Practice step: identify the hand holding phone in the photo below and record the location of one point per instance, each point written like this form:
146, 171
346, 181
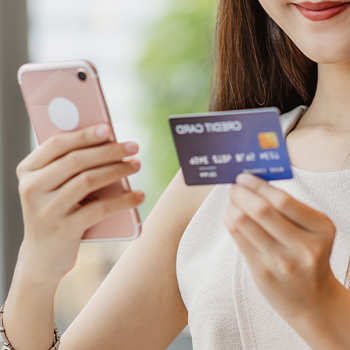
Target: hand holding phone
62, 98
53, 180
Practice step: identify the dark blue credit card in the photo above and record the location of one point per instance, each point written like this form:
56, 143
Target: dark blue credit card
213, 148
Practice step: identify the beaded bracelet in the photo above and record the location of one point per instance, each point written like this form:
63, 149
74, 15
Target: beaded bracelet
5, 343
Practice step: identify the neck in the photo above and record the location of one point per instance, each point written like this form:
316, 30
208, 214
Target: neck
331, 105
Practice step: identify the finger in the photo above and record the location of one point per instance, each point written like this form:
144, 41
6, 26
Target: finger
94, 212
266, 216
75, 190
259, 238
61, 144
247, 248
300, 213
261, 263
60, 171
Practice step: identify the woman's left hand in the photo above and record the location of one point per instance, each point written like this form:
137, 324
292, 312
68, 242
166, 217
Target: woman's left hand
287, 245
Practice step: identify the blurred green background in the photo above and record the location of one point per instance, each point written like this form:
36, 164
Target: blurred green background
176, 74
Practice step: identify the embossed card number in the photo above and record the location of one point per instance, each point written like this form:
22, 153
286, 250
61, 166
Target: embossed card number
213, 148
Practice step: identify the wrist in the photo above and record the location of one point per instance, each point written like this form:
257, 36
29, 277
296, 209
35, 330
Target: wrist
33, 267
324, 324
29, 311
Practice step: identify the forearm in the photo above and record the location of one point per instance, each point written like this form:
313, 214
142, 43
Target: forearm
327, 325
29, 310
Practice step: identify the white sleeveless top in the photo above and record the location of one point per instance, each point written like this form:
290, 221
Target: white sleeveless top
225, 308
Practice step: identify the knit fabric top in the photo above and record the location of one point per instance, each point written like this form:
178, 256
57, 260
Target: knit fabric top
225, 308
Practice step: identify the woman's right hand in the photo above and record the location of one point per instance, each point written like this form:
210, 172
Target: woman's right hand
53, 180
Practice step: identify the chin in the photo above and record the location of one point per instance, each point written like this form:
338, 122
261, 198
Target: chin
322, 44
321, 52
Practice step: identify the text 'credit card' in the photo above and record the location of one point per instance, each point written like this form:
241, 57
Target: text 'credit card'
213, 148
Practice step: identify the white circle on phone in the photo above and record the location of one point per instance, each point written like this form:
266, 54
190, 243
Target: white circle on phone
64, 114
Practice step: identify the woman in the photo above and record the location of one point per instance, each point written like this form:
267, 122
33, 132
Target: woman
265, 270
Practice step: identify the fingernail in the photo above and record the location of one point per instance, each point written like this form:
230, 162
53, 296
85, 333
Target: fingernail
135, 164
131, 147
102, 131
243, 179
141, 196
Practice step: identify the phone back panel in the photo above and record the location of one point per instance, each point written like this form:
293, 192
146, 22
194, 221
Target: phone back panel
58, 101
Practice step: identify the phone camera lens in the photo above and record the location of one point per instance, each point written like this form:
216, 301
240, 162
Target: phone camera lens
82, 76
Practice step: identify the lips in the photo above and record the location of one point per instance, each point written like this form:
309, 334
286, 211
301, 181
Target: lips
322, 11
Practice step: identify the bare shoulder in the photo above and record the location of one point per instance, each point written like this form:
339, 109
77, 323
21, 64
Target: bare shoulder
139, 305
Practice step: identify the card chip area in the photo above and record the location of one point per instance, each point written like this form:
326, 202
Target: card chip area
268, 140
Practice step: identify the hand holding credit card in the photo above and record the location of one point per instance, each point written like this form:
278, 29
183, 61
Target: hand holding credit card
213, 148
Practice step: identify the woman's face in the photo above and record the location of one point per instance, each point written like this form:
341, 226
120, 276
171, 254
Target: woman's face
320, 29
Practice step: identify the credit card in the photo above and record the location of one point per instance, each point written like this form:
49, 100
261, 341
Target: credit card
213, 148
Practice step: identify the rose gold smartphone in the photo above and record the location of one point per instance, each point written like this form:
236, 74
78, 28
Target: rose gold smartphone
66, 96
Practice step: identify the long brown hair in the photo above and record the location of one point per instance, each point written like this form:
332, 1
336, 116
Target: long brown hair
257, 64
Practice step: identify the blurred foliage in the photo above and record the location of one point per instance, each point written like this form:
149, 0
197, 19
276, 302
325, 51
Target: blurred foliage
176, 72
